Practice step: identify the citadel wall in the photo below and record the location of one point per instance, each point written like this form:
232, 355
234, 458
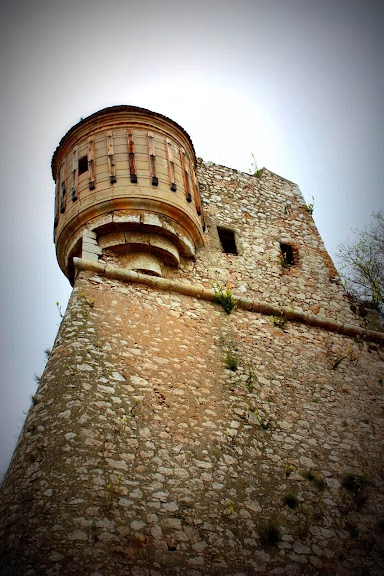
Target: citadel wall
167, 437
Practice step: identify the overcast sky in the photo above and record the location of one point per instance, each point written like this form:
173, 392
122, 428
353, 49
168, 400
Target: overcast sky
298, 83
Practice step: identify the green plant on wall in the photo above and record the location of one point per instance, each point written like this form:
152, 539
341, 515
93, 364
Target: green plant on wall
336, 359
317, 481
310, 206
224, 297
284, 260
231, 361
34, 399
279, 321
291, 500
355, 483
269, 533
250, 381
90, 303
304, 519
354, 493
253, 168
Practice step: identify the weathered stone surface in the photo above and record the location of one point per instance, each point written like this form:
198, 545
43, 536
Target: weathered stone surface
168, 437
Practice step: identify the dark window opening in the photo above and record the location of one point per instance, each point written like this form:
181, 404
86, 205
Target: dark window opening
227, 239
287, 255
83, 165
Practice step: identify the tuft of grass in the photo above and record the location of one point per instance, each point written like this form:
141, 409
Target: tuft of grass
355, 483
284, 261
250, 379
288, 470
317, 481
231, 361
253, 170
224, 297
291, 500
269, 533
91, 302
308, 475
310, 206
279, 321
59, 309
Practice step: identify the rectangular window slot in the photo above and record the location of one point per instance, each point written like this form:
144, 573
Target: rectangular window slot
91, 164
171, 165
131, 157
227, 239
185, 175
57, 200
111, 158
62, 188
152, 160
83, 165
75, 171
287, 254
62, 200
196, 191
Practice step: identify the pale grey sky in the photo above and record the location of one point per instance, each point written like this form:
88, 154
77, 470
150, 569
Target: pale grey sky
298, 83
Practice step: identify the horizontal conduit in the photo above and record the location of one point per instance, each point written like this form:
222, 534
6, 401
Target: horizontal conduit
196, 291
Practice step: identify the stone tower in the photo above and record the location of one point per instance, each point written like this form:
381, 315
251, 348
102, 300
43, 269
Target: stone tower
126, 177
212, 405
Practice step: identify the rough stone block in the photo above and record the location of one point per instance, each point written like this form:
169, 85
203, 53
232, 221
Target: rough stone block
93, 248
89, 234
90, 256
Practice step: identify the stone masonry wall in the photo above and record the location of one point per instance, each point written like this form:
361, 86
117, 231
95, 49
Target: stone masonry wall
147, 453
264, 212
167, 437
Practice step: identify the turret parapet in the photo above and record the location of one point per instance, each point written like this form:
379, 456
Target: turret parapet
126, 178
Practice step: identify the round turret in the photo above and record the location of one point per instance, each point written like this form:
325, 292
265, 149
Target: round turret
125, 181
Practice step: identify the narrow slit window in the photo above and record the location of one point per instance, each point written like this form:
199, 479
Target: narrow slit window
287, 255
83, 165
62, 198
111, 158
131, 157
152, 159
227, 239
